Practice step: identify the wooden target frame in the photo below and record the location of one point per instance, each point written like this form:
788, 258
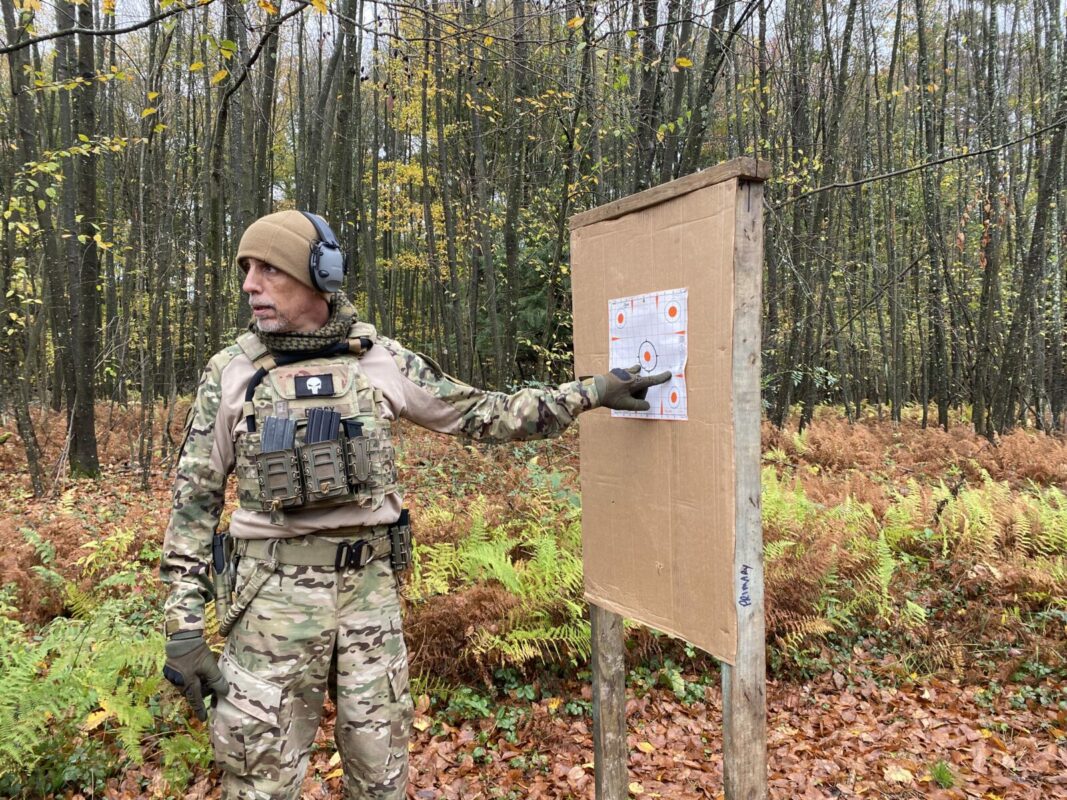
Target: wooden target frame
695, 567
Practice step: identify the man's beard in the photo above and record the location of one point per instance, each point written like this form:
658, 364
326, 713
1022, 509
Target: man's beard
277, 324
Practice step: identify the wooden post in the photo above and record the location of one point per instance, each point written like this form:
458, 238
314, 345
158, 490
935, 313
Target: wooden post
744, 702
610, 754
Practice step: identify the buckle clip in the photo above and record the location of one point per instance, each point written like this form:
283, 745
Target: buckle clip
352, 554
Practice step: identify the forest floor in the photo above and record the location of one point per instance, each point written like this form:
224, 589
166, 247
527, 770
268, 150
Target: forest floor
964, 698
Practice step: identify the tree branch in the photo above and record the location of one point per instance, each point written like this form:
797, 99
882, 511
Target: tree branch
935, 162
135, 26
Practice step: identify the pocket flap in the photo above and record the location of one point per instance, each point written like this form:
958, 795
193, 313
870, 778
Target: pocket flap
398, 677
254, 696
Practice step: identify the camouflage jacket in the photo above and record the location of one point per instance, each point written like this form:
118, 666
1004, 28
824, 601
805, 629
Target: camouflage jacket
411, 387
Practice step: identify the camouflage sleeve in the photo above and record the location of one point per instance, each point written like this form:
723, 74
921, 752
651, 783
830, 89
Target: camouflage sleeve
440, 402
199, 493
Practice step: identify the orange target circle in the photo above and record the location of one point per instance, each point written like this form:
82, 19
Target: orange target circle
647, 356
672, 313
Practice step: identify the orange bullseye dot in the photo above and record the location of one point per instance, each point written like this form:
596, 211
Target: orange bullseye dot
674, 397
619, 319
672, 312
648, 356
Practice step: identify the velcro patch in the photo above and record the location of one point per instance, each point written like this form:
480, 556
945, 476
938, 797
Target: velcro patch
314, 385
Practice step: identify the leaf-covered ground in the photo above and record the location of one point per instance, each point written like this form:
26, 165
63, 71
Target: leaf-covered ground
853, 711
828, 737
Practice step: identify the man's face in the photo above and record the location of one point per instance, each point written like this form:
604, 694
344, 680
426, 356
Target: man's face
281, 303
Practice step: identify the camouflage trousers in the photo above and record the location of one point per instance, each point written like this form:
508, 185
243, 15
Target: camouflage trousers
311, 630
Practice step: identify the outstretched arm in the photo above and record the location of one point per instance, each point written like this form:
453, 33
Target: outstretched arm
440, 402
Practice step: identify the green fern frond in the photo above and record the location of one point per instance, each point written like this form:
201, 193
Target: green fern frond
772, 551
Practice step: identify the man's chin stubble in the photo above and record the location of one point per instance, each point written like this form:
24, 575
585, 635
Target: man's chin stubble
272, 325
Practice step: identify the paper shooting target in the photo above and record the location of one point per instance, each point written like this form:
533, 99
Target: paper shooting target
650, 329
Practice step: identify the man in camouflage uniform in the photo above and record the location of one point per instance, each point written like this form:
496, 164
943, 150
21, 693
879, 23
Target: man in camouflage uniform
317, 617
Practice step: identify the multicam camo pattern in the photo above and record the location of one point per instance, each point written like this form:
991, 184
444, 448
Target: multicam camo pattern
494, 416
307, 629
199, 492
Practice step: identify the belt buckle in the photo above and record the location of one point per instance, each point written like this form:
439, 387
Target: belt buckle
352, 554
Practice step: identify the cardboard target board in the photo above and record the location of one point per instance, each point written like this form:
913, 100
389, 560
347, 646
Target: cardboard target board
670, 498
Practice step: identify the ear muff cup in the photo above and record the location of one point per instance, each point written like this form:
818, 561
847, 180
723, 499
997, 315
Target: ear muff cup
327, 263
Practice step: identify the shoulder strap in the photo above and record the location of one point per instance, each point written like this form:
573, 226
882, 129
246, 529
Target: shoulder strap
361, 338
256, 351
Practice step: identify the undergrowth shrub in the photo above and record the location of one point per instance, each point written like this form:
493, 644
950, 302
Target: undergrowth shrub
529, 570
80, 697
841, 570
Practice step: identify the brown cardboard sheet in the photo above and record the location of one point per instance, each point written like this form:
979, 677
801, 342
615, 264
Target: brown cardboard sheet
658, 497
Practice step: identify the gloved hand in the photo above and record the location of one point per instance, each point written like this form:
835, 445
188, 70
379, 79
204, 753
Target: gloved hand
191, 667
625, 389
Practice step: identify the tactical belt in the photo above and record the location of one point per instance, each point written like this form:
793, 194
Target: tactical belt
321, 551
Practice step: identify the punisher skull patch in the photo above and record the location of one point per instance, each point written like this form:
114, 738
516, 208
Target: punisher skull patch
314, 385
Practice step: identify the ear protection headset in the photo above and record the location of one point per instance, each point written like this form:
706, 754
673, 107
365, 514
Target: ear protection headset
327, 263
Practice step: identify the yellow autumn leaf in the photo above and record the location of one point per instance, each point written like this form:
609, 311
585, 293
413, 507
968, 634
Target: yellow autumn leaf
148, 112
22, 226
319, 5
683, 62
196, 66
218, 76
335, 759
575, 22
153, 95
92, 722
645, 747
337, 773
553, 704
421, 723
268, 6
897, 774
488, 41
636, 788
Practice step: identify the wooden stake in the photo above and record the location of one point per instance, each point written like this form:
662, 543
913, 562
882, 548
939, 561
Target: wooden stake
744, 702
610, 754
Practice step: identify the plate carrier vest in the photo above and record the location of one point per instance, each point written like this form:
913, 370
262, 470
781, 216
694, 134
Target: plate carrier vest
358, 469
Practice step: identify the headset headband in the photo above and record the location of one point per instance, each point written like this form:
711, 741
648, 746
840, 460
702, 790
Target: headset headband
327, 264
322, 230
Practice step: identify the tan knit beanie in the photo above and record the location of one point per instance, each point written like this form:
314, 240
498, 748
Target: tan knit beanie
282, 239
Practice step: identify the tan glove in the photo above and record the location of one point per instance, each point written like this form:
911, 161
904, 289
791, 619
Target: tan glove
625, 389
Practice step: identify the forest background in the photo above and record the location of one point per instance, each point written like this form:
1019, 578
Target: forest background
914, 277
449, 144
